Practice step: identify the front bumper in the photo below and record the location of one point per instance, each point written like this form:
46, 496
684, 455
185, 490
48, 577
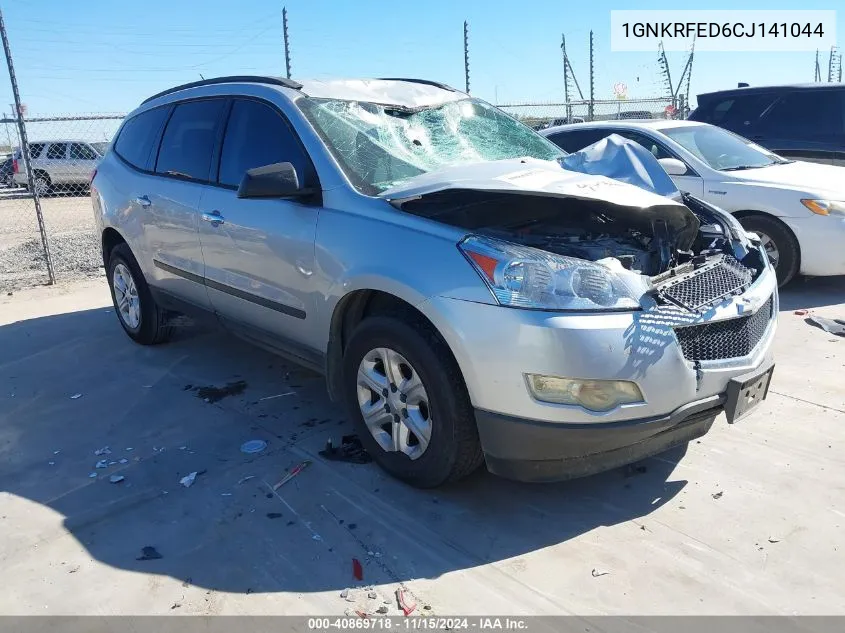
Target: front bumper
821, 240
495, 347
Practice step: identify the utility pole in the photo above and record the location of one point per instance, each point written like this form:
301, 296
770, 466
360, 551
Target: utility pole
25, 151
466, 57
592, 79
287, 40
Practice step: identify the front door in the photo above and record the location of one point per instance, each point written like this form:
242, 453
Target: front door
259, 254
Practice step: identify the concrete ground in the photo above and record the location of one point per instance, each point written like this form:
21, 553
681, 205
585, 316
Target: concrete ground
748, 520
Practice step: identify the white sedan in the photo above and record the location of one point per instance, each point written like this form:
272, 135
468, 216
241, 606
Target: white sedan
797, 208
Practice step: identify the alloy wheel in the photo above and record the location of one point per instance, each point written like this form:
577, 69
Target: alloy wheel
126, 296
771, 248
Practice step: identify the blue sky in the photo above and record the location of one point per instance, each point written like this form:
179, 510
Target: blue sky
106, 56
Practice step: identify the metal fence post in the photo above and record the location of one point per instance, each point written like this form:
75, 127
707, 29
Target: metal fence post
25, 152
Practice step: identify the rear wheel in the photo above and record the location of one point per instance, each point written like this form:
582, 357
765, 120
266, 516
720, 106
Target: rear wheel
136, 309
409, 403
779, 242
42, 184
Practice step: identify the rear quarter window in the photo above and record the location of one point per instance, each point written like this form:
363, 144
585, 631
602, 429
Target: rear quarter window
138, 136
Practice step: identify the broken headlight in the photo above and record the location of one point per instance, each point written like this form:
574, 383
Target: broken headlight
525, 277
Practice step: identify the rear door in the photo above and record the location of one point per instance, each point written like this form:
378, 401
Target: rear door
170, 198
805, 125
259, 253
82, 160
54, 162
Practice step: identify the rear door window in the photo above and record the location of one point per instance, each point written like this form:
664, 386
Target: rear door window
806, 115
189, 139
736, 112
35, 149
80, 151
257, 135
139, 135
57, 151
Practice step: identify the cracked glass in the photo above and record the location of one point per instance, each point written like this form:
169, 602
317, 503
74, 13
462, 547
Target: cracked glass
379, 146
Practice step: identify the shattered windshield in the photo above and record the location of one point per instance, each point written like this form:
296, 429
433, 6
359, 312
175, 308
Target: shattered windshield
379, 146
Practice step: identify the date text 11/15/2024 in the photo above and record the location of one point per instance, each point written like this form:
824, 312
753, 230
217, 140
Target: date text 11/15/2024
418, 623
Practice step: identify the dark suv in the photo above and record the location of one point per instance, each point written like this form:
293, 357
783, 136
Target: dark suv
802, 122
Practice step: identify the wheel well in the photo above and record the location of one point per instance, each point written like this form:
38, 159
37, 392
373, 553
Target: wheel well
749, 213
41, 172
349, 312
111, 238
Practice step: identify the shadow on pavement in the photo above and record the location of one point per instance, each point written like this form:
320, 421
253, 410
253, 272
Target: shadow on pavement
229, 531
812, 292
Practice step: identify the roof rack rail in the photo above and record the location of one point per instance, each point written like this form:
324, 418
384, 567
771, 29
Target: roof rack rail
427, 82
277, 81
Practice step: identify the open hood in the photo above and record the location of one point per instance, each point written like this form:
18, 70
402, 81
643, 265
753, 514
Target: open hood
543, 179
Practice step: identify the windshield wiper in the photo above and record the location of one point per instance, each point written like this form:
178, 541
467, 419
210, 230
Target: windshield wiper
742, 167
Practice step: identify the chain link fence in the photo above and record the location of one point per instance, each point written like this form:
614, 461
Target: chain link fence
63, 152
543, 115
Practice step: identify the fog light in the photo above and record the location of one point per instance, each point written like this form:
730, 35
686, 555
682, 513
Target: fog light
595, 395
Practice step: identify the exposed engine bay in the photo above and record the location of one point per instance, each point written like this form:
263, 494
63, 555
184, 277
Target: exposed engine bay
691, 253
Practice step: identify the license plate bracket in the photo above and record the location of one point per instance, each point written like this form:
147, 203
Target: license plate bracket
745, 392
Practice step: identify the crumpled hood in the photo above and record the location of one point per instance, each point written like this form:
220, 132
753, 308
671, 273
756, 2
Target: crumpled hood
802, 176
526, 175
533, 177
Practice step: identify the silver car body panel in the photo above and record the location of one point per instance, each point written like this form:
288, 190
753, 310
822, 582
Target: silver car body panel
309, 258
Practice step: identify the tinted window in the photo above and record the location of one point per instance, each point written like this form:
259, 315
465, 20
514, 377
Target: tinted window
736, 112
188, 140
35, 150
139, 134
78, 151
56, 151
256, 135
575, 140
808, 114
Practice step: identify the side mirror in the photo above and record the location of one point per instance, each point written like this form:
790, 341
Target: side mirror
278, 180
673, 166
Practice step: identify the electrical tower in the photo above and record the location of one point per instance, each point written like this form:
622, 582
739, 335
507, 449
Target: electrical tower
683, 87
664, 70
287, 40
568, 79
466, 57
686, 76
834, 66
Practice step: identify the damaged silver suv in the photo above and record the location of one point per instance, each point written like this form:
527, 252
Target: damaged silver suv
467, 298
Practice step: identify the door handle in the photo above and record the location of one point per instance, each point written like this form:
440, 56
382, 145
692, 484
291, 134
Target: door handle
143, 201
214, 217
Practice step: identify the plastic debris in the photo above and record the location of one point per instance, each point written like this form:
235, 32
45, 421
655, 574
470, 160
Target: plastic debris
773, 539
361, 614
188, 480
183, 448
149, 553
801, 312
316, 537
382, 610
103, 463
717, 495
293, 473
357, 569
245, 479
76, 396
128, 448
253, 446
344, 594
116, 479
51, 463
404, 602
372, 595
596, 573
278, 395
351, 450
92, 475
56, 452
102, 451
124, 461
831, 326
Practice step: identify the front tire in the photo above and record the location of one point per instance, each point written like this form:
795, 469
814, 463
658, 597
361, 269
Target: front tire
137, 311
779, 242
42, 185
409, 403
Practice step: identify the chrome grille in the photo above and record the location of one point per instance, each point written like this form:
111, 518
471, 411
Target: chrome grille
725, 339
708, 285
